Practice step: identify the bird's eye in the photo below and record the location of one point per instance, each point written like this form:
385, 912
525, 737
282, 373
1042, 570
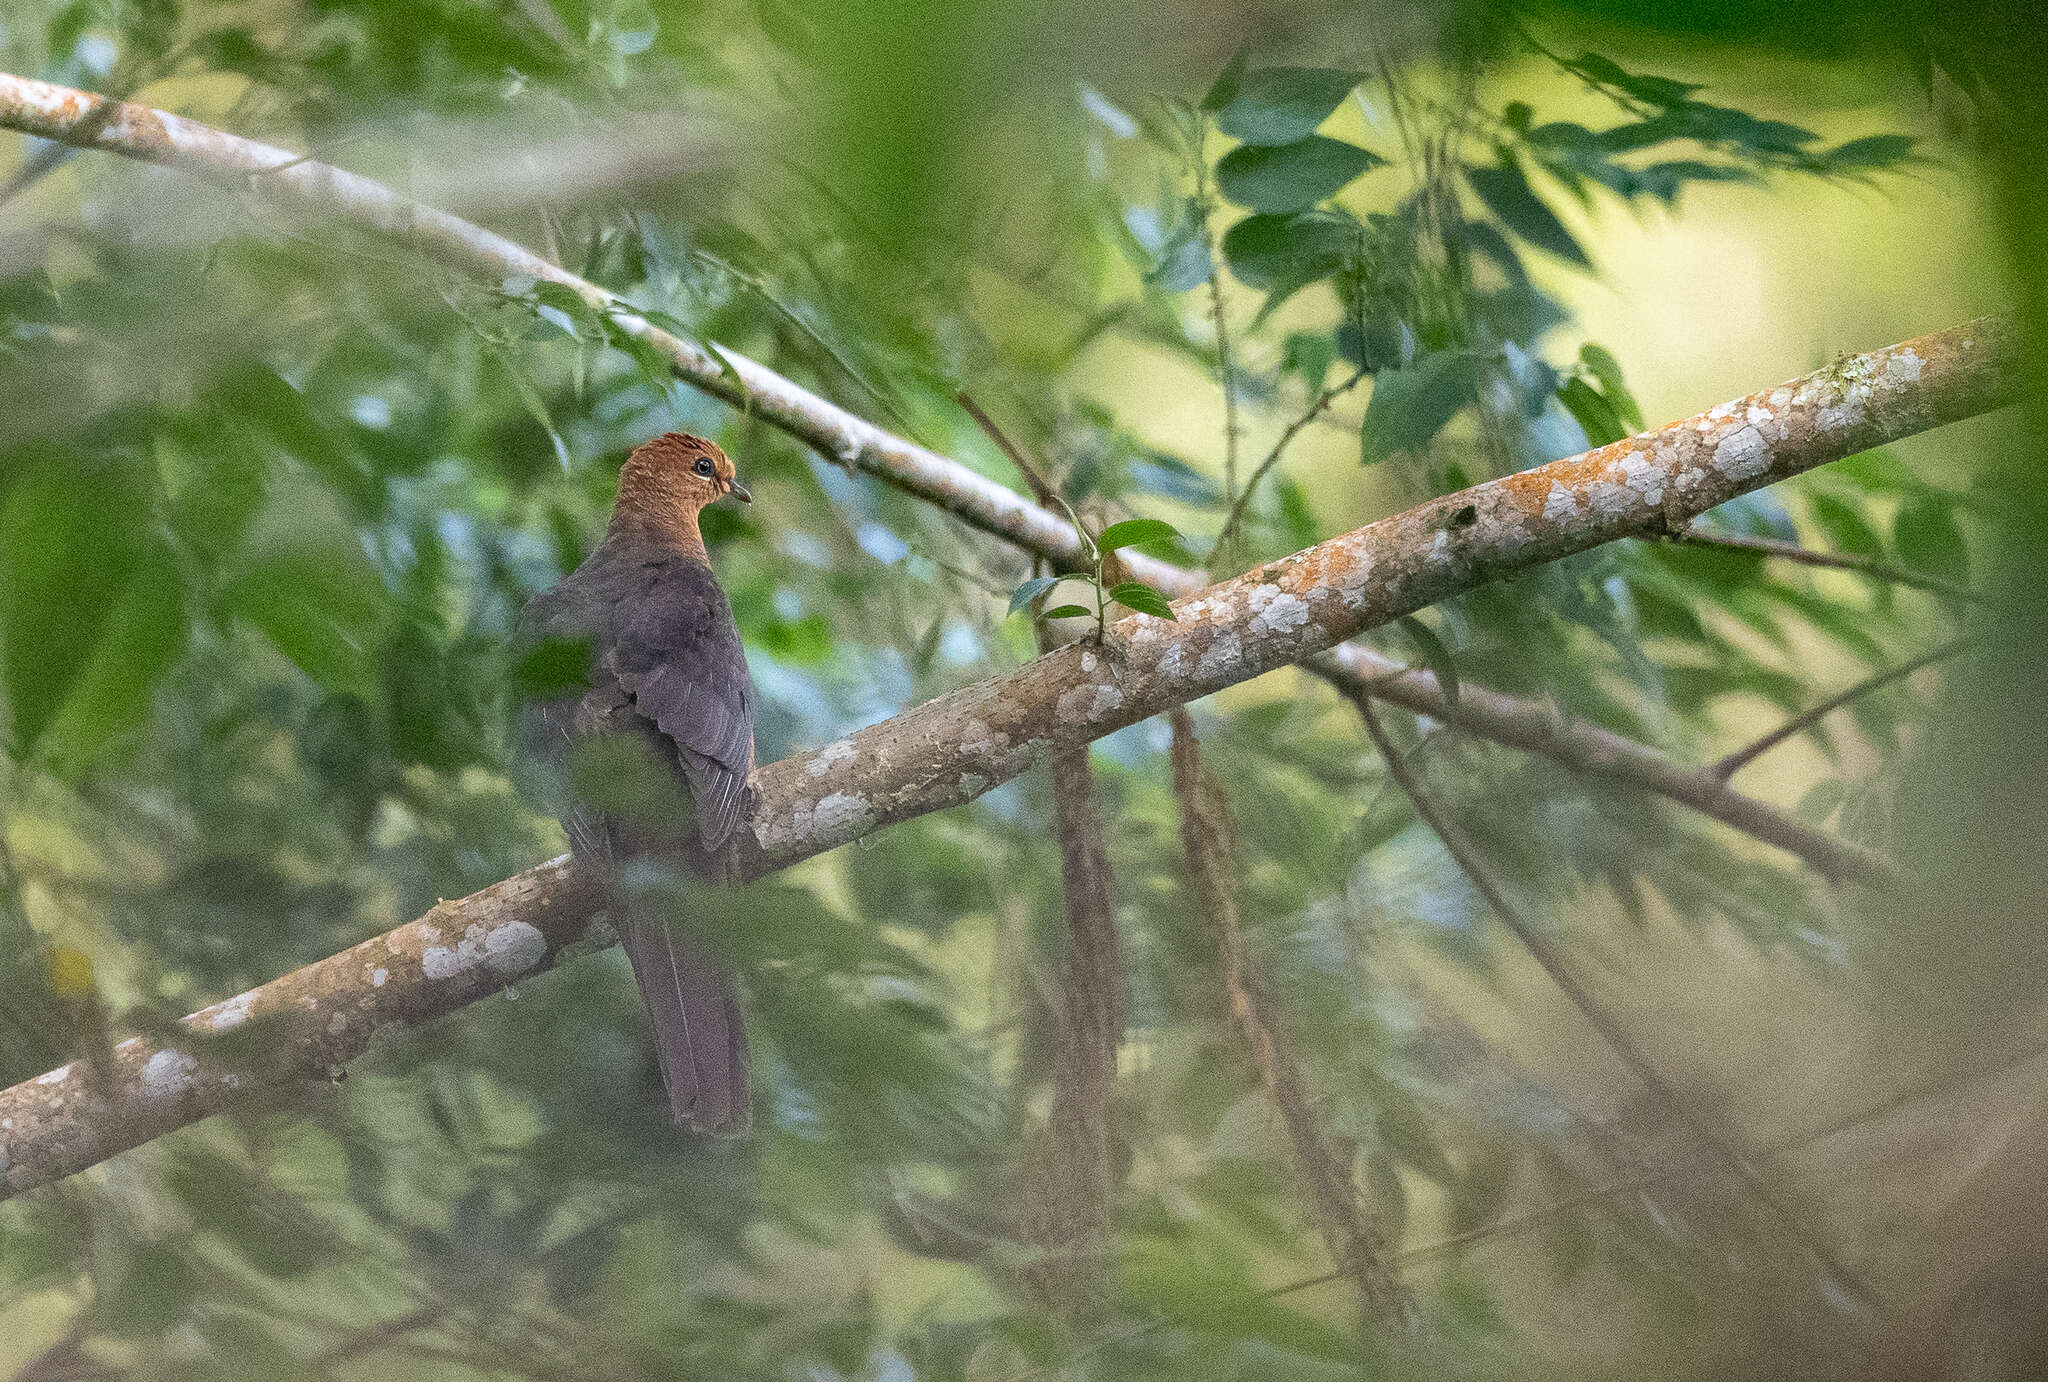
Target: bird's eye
704, 465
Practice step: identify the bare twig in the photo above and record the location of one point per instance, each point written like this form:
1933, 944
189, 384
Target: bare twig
1611, 1031
1527, 1219
1742, 757
1227, 534
1041, 488
1838, 561
1208, 841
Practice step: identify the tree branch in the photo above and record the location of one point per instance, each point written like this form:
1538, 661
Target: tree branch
85, 120
1540, 728
1807, 719
1837, 561
951, 750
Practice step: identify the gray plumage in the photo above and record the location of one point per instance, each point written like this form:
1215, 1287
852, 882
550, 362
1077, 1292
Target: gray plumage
667, 699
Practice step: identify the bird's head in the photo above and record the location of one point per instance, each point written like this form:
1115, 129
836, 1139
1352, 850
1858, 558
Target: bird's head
666, 483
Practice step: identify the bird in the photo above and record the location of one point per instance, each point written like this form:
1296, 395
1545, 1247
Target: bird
646, 738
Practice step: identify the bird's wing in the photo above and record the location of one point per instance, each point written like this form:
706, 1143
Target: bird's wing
676, 650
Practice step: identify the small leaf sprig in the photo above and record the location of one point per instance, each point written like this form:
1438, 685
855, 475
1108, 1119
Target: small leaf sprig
1132, 595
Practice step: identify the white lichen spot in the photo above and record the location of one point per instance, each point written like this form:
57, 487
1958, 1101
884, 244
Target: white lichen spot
1606, 497
1276, 611
449, 961
514, 948
978, 741
378, 976
1904, 368
1839, 416
1780, 397
1643, 476
1742, 455
1560, 505
833, 753
1222, 656
842, 813
233, 1013
1087, 662
166, 1073
57, 1076
1087, 704
429, 931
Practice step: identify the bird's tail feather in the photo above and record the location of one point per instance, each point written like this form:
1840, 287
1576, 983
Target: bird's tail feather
698, 1035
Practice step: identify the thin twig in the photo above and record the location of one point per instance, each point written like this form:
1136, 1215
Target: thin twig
1736, 761
1546, 955
1225, 370
1516, 1223
1041, 488
1839, 561
1228, 532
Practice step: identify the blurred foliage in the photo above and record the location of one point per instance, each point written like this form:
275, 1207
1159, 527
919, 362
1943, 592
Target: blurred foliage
272, 492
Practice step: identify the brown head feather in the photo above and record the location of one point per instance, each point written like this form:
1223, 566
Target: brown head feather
663, 487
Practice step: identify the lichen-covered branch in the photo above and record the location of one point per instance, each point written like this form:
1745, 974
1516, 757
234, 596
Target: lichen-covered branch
951, 750
1209, 844
86, 120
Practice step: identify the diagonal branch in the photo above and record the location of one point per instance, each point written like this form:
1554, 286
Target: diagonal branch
951, 750
1836, 561
84, 120
1807, 719
1610, 1029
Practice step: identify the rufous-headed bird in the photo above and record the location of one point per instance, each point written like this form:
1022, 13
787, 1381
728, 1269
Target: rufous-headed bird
652, 748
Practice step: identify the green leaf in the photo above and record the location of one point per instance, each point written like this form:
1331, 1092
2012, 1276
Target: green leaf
1282, 253
1069, 612
1031, 590
1507, 194
307, 585
1291, 177
1279, 105
1134, 531
1142, 598
1605, 368
1870, 152
1435, 654
1225, 88
1602, 71
69, 546
1594, 414
1183, 263
1928, 539
1410, 406
142, 637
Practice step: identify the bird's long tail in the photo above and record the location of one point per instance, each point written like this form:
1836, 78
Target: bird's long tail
698, 1034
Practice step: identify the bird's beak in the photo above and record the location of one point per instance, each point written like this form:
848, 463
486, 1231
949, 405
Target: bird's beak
738, 491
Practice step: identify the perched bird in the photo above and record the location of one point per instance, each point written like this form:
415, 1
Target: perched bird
651, 742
